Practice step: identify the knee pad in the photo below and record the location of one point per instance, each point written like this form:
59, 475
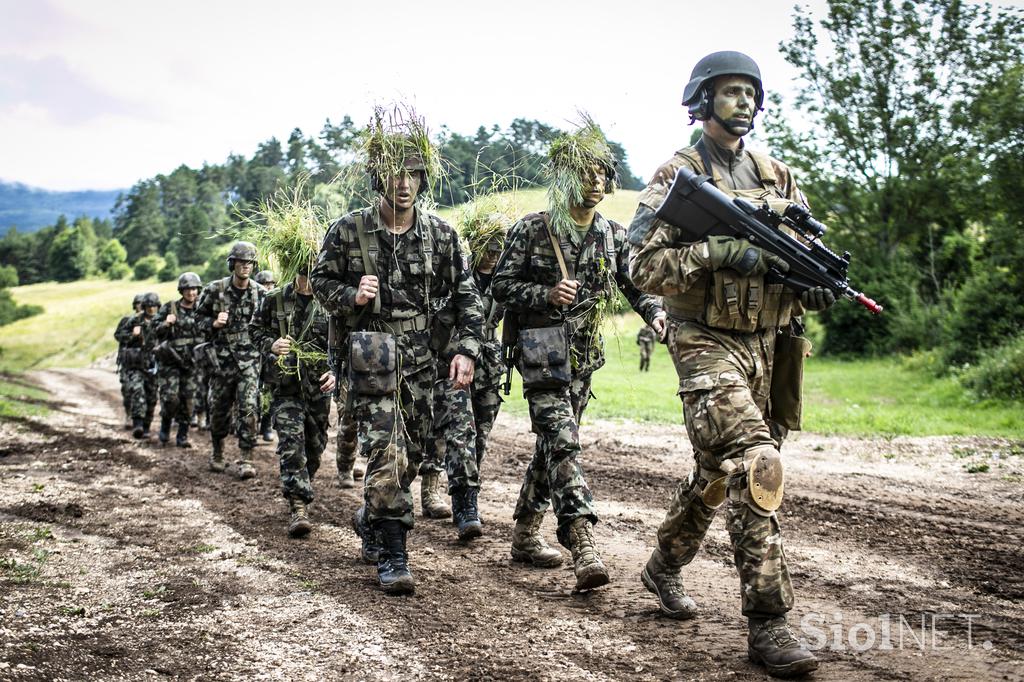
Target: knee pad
763, 487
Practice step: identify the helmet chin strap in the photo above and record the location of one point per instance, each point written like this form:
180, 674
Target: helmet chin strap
728, 127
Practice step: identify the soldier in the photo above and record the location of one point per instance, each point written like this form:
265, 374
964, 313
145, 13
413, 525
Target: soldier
139, 338
177, 330
723, 347
645, 338
122, 371
290, 319
265, 278
558, 277
225, 310
380, 268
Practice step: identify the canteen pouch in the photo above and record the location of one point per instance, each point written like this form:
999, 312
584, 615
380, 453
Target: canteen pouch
373, 363
544, 357
166, 355
788, 380
134, 358
205, 355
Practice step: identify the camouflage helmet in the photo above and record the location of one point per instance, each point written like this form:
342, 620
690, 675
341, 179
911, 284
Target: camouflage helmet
137, 300
697, 95
189, 280
265, 277
241, 251
150, 300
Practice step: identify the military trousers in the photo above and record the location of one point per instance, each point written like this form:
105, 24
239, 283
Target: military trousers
725, 380
554, 475
345, 453
177, 387
142, 394
391, 431
126, 396
235, 386
301, 423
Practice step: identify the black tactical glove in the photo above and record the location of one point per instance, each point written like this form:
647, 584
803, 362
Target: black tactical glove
742, 256
818, 298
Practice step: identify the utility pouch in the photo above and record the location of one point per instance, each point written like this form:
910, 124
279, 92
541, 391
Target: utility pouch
134, 358
544, 357
205, 355
166, 355
373, 363
788, 380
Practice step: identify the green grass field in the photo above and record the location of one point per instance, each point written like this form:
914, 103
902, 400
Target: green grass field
619, 206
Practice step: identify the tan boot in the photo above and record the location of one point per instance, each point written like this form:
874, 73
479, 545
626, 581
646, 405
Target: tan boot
358, 470
661, 578
432, 496
529, 547
590, 572
346, 475
217, 456
299, 525
245, 467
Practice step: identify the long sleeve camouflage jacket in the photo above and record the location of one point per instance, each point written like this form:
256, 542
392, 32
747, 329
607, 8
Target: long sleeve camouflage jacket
529, 269
409, 287
305, 322
232, 341
146, 340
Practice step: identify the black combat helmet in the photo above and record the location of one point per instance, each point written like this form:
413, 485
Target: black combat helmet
137, 300
265, 277
150, 300
241, 251
189, 280
697, 93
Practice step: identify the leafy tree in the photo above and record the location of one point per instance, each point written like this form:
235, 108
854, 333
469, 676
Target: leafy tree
72, 256
148, 266
139, 221
110, 255
170, 270
8, 276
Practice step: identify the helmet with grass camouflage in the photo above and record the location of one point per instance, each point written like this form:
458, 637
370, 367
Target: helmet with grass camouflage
265, 277
189, 280
245, 251
698, 96
150, 300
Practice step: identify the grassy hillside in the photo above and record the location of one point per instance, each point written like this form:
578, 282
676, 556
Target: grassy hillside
77, 325
619, 206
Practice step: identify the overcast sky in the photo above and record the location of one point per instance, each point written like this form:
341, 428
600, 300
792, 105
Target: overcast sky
98, 94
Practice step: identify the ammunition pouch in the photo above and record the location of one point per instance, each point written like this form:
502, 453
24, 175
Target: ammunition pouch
205, 356
786, 397
167, 355
135, 358
544, 357
373, 363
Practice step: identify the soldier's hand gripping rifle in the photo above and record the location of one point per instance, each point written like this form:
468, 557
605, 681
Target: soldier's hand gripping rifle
700, 209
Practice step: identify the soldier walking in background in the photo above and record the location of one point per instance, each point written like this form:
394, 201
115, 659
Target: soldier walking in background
346, 451
265, 278
122, 370
225, 310
178, 333
558, 278
380, 268
725, 350
138, 337
646, 338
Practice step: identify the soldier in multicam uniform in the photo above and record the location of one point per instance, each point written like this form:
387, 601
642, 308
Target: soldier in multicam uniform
177, 330
225, 309
290, 318
646, 339
122, 371
265, 278
380, 268
725, 319
139, 338
540, 291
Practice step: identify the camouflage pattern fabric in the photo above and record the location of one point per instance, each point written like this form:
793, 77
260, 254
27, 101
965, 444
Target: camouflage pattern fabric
178, 384
301, 425
122, 372
238, 381
392, 429
646, 339
140, 381
345, 454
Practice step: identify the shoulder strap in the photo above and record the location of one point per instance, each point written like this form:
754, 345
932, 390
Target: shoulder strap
609, 248
702, 156
557, 247
427, 252
283, 323
369, 253
222, 292
765, 168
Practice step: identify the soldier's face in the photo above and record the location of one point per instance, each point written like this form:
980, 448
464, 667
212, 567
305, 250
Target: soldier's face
400, 190
488, 261
190, 294
735, 102
593, 186
243, 269
152, 310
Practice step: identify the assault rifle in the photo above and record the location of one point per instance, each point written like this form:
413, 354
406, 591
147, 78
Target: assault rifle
700, 209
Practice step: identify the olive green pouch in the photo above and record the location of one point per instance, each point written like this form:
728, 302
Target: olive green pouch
544, 357
373, 363
788, 380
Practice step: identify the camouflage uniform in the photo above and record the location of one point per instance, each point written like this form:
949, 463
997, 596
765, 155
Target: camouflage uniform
122, 371
646, 339
722, 340
526, 273
178, 384
300, 410
412, 273
139, 374
345, 453
238, 380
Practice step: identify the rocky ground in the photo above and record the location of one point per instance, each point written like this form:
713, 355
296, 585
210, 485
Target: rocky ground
126, 561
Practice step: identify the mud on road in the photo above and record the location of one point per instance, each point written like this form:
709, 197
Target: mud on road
127, 561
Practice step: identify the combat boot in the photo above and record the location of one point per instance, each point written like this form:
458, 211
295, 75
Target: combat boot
432, 496
217, 456
138, 428
358, 470
181, 439
371, 550
146, 426
244, 463
661, 578
529, 547
393, 562
346, 476
164, 434
590, 572
465, 514
771, 643
299, 525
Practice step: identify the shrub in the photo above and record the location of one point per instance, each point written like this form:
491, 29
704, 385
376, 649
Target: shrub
170, 270
147, 266
999, 372
110, 255
11, 311
119, 271
8, 276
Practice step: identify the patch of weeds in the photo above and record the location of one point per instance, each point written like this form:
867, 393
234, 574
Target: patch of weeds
889, 456
19, 573
1016, 449
309, 585
37, 487
202, 548
40, 533
818, 448
977, 467
150, 613
61, 584
257, 560
1012, 478
154, 592
962, 453
78, 611
40, 555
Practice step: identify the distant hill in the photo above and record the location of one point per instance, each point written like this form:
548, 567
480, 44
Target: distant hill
29, 208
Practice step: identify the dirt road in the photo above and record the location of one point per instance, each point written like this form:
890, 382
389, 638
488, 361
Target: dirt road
120, 561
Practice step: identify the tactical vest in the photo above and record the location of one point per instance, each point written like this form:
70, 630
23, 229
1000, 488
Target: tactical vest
233, 339
183, 341
724, 299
